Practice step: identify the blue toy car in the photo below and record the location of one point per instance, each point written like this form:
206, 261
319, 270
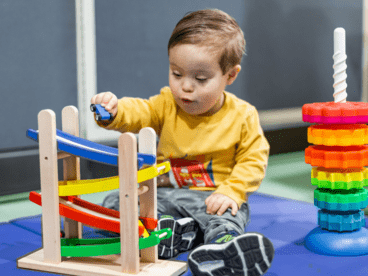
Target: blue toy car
101, 113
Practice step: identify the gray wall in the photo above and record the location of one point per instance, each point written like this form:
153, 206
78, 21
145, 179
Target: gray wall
290, 49
37, 65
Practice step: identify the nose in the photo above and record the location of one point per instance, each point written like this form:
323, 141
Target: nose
187, 86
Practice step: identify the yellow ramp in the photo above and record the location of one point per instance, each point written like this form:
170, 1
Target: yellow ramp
90, 186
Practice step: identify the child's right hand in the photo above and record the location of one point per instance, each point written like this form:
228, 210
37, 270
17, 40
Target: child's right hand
108, 100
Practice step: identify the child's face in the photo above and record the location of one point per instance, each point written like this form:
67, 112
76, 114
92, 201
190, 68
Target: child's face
196, 79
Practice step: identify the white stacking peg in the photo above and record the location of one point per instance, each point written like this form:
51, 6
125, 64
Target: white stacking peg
339, 66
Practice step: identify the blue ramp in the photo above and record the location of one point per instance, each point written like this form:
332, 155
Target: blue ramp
90, 150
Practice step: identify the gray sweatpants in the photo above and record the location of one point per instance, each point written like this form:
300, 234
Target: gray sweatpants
184, 203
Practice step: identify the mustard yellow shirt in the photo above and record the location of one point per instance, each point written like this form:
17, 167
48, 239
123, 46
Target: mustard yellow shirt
230, 143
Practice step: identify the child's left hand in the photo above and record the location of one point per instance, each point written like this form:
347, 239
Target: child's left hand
219, 203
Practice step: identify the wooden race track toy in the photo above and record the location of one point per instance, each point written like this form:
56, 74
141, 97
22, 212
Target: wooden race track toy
338, 157
135, 251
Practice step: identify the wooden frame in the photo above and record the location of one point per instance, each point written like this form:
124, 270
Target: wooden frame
71, 166
48, 258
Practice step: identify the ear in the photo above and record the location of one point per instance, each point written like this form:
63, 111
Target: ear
232, 74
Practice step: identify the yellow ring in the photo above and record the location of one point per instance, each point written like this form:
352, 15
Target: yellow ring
341, 176
335, 135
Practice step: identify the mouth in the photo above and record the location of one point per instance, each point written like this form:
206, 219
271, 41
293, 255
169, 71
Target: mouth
186, 101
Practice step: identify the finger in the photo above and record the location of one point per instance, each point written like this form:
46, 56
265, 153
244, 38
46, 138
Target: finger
93, 100
112, 103
211, 210
214, 207
208, 199
234, 208
98, 98
106, 99
223, 208
215, 203
114, 111
209, 204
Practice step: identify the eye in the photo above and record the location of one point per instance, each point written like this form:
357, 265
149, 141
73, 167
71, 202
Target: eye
201, 79
176, 74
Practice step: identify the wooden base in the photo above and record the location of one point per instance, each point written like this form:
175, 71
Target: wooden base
98, 266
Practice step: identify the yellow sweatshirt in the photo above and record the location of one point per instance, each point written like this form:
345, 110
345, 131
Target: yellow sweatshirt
226, 152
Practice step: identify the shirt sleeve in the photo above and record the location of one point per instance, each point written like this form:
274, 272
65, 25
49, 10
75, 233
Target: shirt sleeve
250, 161
136, 113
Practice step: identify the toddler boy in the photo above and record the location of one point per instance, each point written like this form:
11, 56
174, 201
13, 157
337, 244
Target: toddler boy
214, 142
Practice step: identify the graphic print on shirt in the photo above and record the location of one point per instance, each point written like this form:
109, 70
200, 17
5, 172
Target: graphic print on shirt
192, 173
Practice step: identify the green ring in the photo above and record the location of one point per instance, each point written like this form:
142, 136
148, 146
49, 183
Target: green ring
339, 185
341, 196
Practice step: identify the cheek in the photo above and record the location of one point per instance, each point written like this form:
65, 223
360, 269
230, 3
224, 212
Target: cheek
210, 99
173, 87
210, 93
171, 82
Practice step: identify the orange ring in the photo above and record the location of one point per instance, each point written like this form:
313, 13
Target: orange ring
337, 157
338, 135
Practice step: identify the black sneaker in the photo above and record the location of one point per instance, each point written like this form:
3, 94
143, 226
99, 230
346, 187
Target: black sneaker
184, 232
233, 255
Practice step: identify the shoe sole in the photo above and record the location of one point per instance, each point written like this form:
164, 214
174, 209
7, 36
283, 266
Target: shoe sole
250, 254
184, 232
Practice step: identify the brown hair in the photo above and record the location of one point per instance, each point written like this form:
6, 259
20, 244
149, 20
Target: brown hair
215, 29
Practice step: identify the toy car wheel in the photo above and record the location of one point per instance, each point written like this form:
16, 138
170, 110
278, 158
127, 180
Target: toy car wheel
93, 107
98, 117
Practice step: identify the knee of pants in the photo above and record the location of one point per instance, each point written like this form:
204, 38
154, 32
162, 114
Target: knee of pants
229, 222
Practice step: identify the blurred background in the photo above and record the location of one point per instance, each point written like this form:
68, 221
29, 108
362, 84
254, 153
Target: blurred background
55, 53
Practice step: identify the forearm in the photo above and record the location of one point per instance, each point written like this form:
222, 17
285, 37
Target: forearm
133, 115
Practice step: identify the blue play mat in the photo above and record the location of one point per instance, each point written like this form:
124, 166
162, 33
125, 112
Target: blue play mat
285, 222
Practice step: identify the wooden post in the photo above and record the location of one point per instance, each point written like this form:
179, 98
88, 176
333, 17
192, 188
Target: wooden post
71, 166
128, 193
49, 186
148, 200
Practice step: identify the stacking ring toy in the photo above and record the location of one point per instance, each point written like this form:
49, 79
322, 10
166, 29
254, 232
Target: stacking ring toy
339, 155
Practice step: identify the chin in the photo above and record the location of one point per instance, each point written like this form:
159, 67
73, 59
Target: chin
190, 112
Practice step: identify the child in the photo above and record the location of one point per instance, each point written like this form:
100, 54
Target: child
214, 142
